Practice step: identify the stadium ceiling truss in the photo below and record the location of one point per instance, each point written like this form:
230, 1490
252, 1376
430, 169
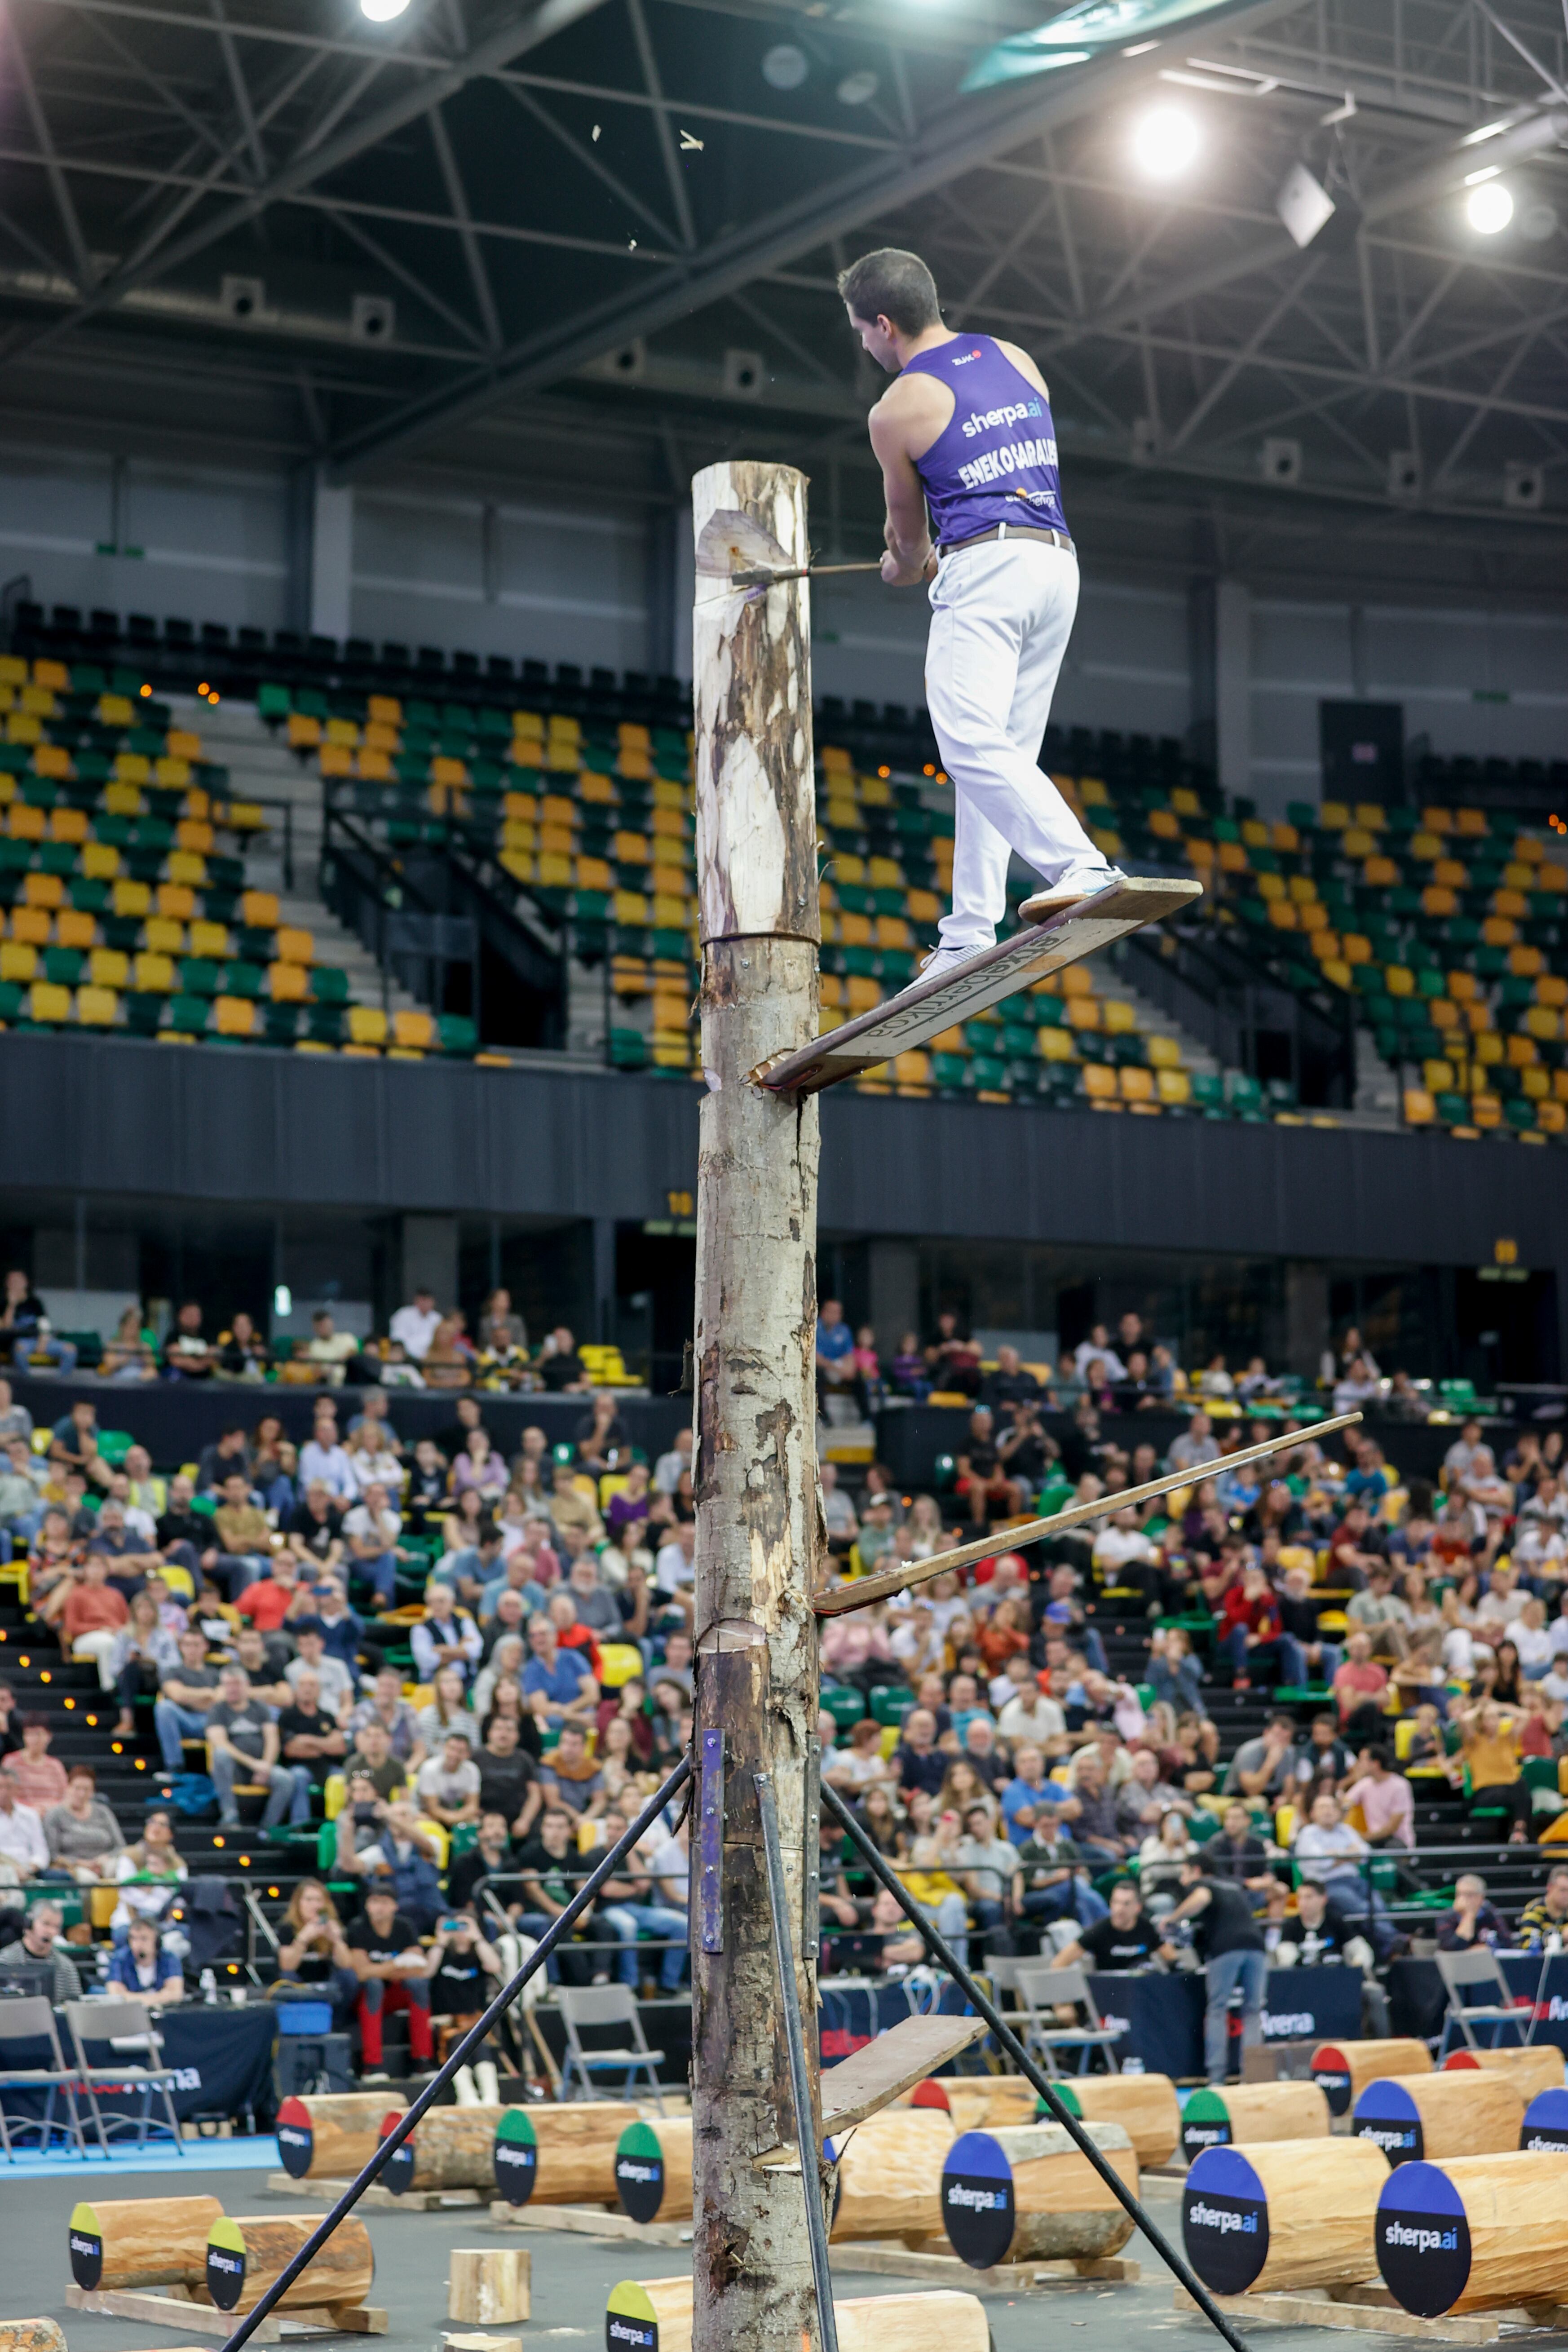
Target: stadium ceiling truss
630, 211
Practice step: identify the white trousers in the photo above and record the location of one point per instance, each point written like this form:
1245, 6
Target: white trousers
1002, 613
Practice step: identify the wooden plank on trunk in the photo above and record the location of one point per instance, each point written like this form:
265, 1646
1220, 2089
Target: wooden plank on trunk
872, 2078
922, 1011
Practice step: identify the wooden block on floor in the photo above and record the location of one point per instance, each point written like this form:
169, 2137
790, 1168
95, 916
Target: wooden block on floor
459, 2341
376, 2200
31, 2335
1307, 2309
590, 2221
178, 2311
890, 2260
488, 2283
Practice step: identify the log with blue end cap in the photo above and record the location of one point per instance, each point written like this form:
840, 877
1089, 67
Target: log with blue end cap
1477, 2233
1545, 2124
1438, 2116
1029, 2195
654, 2316
1284, 2214
1226, 2115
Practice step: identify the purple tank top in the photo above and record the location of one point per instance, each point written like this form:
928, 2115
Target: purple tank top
996, 461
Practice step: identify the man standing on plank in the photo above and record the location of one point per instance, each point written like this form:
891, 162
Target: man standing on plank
966, 429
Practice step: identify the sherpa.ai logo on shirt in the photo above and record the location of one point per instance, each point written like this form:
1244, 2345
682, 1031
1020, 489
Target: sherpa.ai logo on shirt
977, 423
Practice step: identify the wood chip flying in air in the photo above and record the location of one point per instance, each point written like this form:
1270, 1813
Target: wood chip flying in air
687, 141
595, 135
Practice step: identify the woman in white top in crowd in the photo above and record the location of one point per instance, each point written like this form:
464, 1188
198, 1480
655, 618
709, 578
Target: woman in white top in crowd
150, 1875
373, 1463
505, 1665
447, 1712
480, 1467
861, 1765
925, 1525
1161, 1858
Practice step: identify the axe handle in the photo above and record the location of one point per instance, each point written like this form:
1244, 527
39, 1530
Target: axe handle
759, 576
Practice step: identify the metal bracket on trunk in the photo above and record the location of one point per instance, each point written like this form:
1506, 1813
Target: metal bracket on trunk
811, 1852
711, 1842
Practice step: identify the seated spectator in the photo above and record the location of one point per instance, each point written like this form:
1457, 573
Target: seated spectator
187, 1692
243, 1746
323, 1458
415, 1326
22, 1505
308, 1736
480, 1469
142, 1968
557, 1682
447, 1785
372, 1461
313, 1950
24, 1333
244, 1537
39, 1943
596, 1606
1263, 1769
92, 1618
835, 1372
1327, 1849
386, 1705
920, 1764
1359, 1686
371, 1759
861, 1766
23, 1844
1099, 1828
334, 1679
398, 1851
1473, 1920
838, 1513
371, 1529
150, 1875
1249, 1629
1238, 1853
561, 1367
330, 1351
569, 1777
1388, 1809
393, 1972
983, 1482
1381, 1613
1162, 1858
551, 1870
1542, 1918
242, 1352
509, 1782
341, 1631
1127, 1937
1489, 1752
187, 1355
500, 1682
489, 1857
632, 1910
81, 1833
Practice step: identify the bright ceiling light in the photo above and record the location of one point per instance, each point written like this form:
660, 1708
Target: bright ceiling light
1489, 208
1166, 142
382, 12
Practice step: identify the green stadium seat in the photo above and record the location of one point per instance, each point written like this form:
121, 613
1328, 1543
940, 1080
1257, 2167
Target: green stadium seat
189, 1015
329, 985
460, 1035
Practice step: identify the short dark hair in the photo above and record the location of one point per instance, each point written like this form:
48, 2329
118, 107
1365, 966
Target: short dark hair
891, 284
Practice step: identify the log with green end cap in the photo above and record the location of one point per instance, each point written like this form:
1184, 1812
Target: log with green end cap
653, 2170
516, 2155
1145, 2105
1239, 2114
575, 2150
142, 2242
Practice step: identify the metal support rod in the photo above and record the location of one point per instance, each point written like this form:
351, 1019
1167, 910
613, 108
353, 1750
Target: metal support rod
799, 2077
460, 2053
945, 1958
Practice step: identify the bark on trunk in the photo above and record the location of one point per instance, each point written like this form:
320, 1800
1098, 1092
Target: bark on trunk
758, 1512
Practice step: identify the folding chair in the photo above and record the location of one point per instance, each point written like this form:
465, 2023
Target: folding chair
597, 2005
32, 2019
129, 2024
1460, 1969
1040, 1992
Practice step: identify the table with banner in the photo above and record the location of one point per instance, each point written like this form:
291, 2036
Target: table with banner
1538, 1980
1161, 2015
220, 2057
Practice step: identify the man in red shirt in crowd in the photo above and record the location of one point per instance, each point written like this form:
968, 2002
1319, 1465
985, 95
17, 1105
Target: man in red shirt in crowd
1359, 1686
1250, 1627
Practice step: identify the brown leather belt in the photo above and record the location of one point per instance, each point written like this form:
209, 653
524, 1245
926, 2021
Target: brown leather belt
1006, 530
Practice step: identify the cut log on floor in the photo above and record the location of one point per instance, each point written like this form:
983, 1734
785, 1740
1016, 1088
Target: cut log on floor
1438, 2116
490, 2285
247, 2252
889, 2175
654, 2316
335, 2134
1539, 2067
561, 2155
1476, 2232
141, 2240
653, 2168
31, 2335
1145, 2105
869, 2081
1246, 2112
1343, 2069
454, 2147
1025, 2194
979, 2102
1285, 2213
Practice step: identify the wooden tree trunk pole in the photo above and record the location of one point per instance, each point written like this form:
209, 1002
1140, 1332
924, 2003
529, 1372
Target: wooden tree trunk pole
758, 1515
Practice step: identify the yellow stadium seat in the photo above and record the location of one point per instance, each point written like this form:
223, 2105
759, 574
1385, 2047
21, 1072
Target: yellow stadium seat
187, 869
66, 824
131, 899
1398, 979
99, 862
47, 1002
1536, 1083
415, 1031
32, 924
1099, 1083
1283, 914
1552, 1118
97, 1008
1165, 1052
107, 968
28, 823
154, 974
1120, 1018
1381, 874
912, 1069
1526, 963
1420, 1110
19, 960
236, 1017
1137, 1085
74, 929
288, 984
1438, 901
1486, 1110
176, 901
862, 993
43, 891
1174, 1087
294, 946
258, 910
1056, 1045
1356, 948
1499, 932
1438, 1077
1271, 886
1522, 1051
161, 937
1075, 981
367, 1024
1083, 1011
211, 940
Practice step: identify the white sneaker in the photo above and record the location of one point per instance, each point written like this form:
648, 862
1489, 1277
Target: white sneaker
1078, 882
